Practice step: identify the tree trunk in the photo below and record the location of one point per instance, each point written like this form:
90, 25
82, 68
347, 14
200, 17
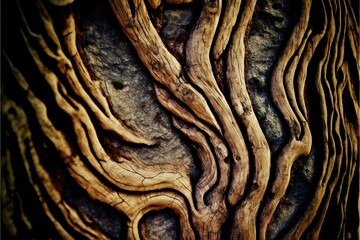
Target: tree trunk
149, 119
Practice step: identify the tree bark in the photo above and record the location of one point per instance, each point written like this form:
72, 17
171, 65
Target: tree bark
207, 165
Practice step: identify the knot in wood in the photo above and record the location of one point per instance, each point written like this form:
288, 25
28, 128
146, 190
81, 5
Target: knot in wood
247, 110
188, 95
131, 23
155, 65
63, 66
154, 48
213, 6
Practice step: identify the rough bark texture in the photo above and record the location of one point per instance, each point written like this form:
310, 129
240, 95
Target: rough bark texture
173, 119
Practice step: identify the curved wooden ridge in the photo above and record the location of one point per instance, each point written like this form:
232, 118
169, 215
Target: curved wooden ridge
241, 182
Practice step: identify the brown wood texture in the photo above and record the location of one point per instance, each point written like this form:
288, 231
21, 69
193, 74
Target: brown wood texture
59, 122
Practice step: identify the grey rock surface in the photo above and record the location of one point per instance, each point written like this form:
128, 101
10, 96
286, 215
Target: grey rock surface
129, 87
271, 27
176, 22
114, 62
160, 225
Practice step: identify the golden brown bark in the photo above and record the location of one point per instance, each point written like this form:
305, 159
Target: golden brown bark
236, 188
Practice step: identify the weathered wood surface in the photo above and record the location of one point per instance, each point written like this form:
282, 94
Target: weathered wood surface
61, 128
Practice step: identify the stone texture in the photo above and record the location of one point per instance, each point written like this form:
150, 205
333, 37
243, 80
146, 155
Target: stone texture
176, 21
161, 225
271, 26
297, 198
130, 91
129, 88
101, 215
113, 61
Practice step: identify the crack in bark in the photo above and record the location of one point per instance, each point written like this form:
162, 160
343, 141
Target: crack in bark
221, 125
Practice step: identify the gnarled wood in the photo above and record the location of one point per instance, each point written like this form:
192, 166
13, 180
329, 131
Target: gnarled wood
69, 134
